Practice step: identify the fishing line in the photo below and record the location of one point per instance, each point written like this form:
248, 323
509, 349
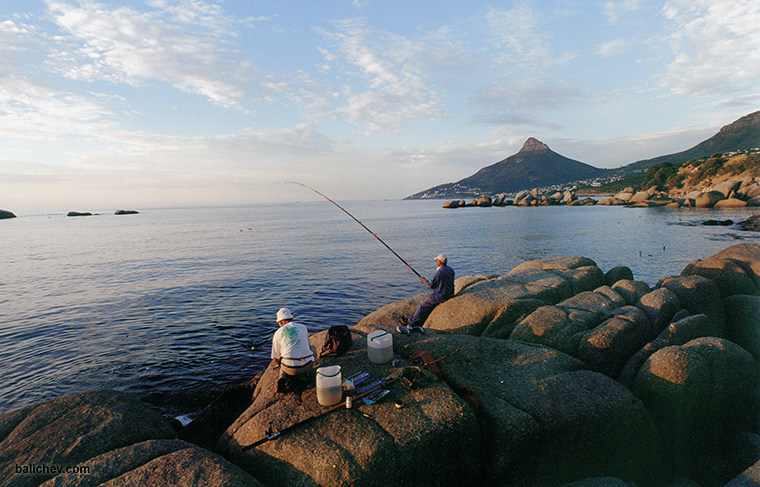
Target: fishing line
360, 223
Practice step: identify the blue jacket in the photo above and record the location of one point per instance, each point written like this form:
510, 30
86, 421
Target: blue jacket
442, 283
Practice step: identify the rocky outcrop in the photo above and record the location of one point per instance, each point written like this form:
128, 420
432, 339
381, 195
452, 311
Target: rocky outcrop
735, 270
126, 212
79, 213
104, 437
434, 439
5, 214
700, 396
558, 373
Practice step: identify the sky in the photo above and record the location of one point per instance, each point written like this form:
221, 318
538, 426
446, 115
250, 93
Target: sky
163, 103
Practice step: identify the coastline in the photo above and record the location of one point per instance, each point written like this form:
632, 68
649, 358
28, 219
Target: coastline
588, 392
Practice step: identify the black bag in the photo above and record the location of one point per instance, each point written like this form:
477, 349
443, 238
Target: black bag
337, 341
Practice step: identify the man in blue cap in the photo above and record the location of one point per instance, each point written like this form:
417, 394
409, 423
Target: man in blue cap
442, 285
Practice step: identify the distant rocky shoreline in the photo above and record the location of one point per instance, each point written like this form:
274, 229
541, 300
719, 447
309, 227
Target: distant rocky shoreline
725, 193
556, 374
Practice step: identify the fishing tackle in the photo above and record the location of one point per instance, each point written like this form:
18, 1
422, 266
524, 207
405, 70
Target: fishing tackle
360, 223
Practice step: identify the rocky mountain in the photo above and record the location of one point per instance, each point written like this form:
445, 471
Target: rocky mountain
744, 133
535, 165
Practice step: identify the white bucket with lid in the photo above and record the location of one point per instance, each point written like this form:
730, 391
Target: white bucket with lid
380, 346
329, 385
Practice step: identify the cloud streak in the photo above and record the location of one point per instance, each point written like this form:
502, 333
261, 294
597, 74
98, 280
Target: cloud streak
186, 45
715, 44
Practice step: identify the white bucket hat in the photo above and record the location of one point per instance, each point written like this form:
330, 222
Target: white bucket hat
442, 257
284, 314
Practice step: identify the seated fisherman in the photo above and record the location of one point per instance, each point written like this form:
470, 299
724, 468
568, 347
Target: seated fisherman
292, 353
442, 285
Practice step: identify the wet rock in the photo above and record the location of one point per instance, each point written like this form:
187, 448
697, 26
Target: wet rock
5, 214
714, 223
126, 212
751, 224
79, 213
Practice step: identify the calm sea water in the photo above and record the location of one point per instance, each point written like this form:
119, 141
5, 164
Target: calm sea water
173, 304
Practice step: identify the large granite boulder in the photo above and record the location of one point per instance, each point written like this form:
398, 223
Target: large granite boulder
631, 290
477, 306
677, 333
544, 418
699, 395
71, 430
561, 326
735, 270
156, 462
743, 322
660, 306
394, 314
607, 347
434, 439
698, 295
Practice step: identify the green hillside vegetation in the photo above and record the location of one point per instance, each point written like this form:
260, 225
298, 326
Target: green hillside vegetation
697, 173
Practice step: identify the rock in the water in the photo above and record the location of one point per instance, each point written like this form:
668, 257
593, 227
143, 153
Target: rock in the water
79, 213
5, 214
126, 212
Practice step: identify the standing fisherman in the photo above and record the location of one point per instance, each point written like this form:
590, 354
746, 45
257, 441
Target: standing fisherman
292, 353
442, 285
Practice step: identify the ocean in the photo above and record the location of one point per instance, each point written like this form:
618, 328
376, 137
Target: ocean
172, 305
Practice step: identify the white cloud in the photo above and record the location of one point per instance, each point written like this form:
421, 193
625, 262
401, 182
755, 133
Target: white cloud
382, 86
716, 46
615, 10
518, 35
185, 44
613, 48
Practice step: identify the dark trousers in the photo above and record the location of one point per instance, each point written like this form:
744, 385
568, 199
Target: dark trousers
424, 309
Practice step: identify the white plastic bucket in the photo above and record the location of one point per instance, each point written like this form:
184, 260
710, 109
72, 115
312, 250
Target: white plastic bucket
380, 346
329, 385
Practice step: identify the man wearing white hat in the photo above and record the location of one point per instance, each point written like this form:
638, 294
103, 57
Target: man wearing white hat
291, 352
442, 285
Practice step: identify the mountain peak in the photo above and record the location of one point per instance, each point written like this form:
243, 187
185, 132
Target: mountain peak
534, 145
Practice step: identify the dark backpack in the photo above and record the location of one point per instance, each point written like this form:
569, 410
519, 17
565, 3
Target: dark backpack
337, 341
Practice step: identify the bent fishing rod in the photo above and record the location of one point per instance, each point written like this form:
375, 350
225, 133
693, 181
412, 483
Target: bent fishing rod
360, 223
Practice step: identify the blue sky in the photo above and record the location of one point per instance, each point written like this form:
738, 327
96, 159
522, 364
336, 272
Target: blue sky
150, 103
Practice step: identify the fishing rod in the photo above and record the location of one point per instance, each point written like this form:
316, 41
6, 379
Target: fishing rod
360, 223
